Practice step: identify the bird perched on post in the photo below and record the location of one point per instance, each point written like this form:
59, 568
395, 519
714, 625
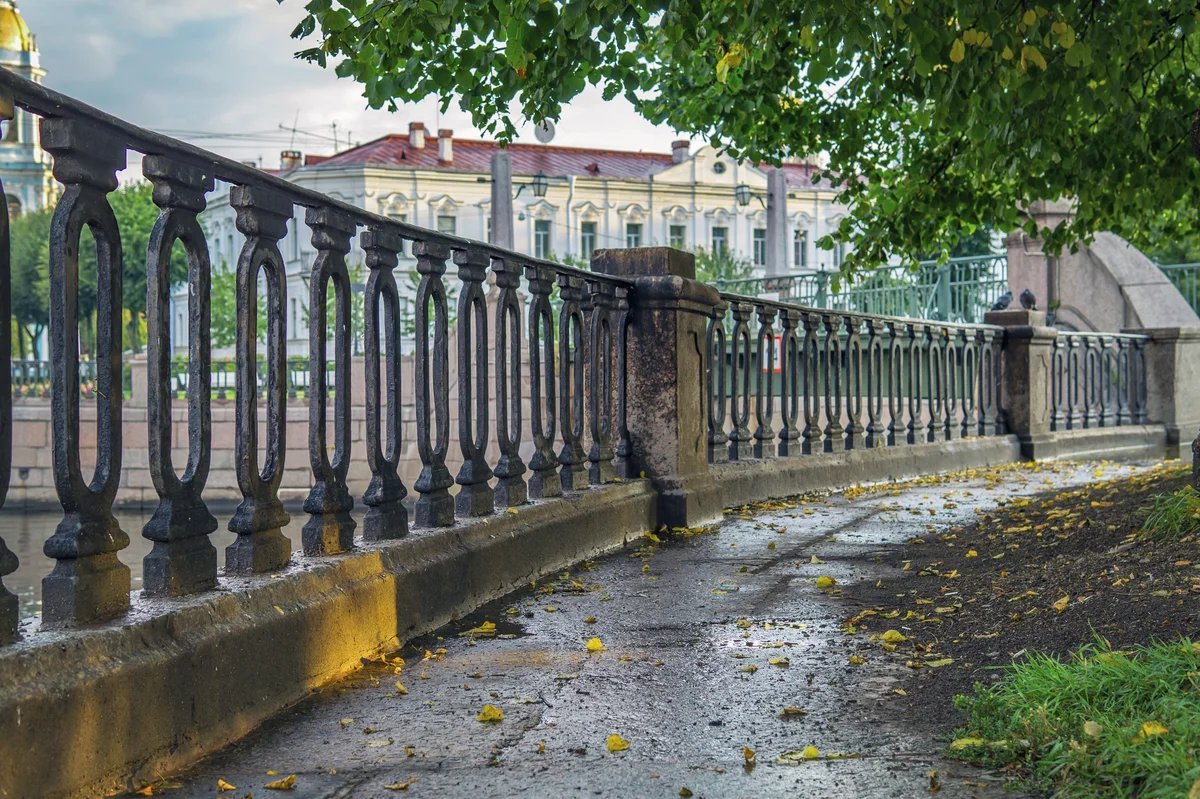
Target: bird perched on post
1028, 300
1003, 301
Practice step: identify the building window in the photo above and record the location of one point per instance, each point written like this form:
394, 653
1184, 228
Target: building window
633, 234
839, 253
760, 246
487, 228
720, 239
181, 333
587, 239
541, 238
800, 248
400, 216
448, 224
295, 316
677, 236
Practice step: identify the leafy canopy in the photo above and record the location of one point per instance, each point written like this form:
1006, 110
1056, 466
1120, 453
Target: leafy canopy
942, 116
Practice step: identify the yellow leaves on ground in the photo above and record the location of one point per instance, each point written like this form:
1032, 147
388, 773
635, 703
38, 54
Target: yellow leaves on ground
401, 786
749, 756
893, 637
815, 559
750, 669
959, 744
615, 743
589, 620
490, 714
792, 712
400, 689
781, 662
825, 581
488, 628
1150, 729
1061, 604
809, 752
288, 783
1092, 730
971, 554
685, 791
856, 660
223, 786
595, 645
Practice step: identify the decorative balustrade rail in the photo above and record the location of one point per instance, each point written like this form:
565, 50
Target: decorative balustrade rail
32, 378
575, 434
844, 380
1186, 278
1097, 380
959, 290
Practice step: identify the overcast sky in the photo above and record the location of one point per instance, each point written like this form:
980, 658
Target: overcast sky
226, 66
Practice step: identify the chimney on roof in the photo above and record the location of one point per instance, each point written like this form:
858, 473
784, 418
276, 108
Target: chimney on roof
416, 135
445, 145
679, 150
290, 159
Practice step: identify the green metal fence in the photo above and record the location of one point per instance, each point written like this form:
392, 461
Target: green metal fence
959, 290
1186, 278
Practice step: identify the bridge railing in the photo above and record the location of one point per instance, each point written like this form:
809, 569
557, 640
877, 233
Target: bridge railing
786, 379
1097, 380
958, 290
538, 392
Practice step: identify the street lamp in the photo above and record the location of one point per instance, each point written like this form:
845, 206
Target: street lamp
742, 194
541, 184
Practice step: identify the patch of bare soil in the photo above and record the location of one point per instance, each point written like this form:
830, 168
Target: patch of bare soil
1047, 573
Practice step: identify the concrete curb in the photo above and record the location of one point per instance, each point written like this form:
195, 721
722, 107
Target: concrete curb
116, 705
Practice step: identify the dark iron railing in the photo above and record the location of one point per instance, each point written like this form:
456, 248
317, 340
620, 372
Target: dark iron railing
577, 435
843, 381
1097, 380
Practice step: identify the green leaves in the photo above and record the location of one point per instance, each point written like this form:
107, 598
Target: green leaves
943, 116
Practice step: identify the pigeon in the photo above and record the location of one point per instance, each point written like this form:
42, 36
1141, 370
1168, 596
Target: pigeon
1028, 300
1003, 302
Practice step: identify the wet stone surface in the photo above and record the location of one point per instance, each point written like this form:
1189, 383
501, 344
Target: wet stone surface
707, 639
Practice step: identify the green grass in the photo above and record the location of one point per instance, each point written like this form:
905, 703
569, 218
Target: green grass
1174, 515
1075, 728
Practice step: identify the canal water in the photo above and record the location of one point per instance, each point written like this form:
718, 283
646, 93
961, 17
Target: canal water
25, 530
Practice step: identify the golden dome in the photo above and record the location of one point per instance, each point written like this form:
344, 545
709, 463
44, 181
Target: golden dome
14, 33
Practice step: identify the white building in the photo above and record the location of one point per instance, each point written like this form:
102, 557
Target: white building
24, 165
594, 198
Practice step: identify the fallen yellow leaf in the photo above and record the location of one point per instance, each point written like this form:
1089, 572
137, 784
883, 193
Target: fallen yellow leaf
285, 784
589, 620
792, 712
615, 743
487, 628
893, 637
1092, 729
685, 792
815, 559
963, 743
750, 669
490, 713
749, 756
971, 554
810, 752
933, 664
223, 786
400, 689
857, 660
782, 662
1153, 728
825, 581
1061, 604
403, 786
595, 645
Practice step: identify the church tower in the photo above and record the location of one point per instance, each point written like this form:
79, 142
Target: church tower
24, 165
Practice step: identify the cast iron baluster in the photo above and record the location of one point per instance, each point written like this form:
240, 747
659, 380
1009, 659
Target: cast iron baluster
600, 456
935, 380
330, 529
262, 217
1108, 371
572, 351
874, 370
435, 507
1139, 380
476, 497
739, 408
9, 606
1058, 382
916, 337
1088, 375
510, 485
832, 363
89, 582
183, 560
1123, 382
789, 373
854, 381
1072, 382
951, 368
764, 395
718, 381
897, 381
621, 465
544, 480
966, 384
811, 360
386, 516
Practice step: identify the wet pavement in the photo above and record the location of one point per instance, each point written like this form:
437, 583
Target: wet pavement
707, 639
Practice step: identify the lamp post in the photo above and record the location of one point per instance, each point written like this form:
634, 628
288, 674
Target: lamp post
776, 207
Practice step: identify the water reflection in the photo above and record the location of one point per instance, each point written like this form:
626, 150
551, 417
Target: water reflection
26, 530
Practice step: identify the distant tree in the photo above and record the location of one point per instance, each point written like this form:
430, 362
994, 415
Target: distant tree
720, 265
30, 236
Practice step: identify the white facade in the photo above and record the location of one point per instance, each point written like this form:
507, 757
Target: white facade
687, 201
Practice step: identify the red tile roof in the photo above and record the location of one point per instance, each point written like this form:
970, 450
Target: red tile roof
527, 159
